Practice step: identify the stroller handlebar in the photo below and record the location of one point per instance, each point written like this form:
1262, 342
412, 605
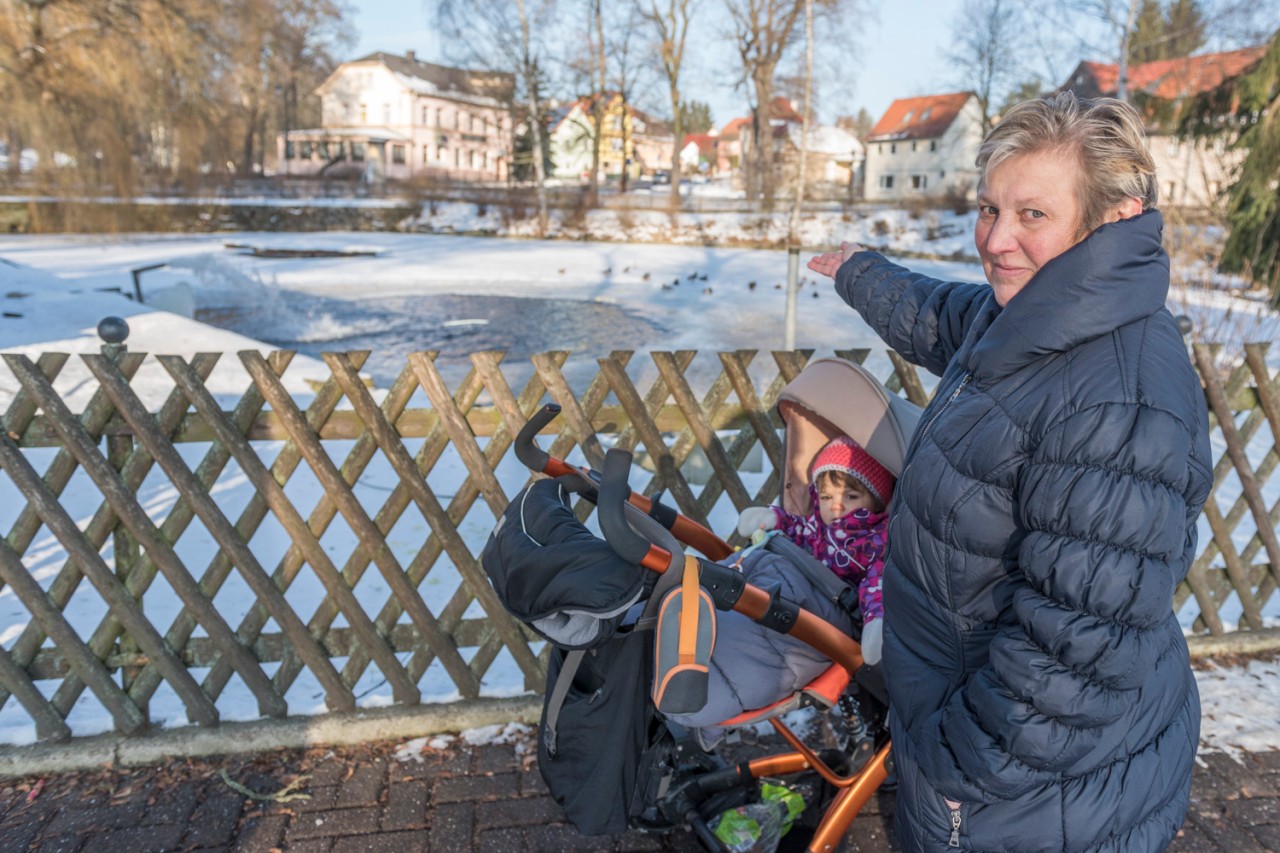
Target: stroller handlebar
614, 492
527, 451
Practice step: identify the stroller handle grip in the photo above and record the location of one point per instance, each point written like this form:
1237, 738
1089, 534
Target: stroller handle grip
527, 451
614, 492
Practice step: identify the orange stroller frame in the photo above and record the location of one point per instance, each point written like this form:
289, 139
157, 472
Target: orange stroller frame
883, 430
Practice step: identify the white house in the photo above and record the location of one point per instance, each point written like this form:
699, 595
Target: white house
834, 156
924, 147
628, 136
391, 116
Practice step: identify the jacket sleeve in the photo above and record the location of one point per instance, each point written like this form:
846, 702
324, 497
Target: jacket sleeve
1107, 505
870, 589
923, 319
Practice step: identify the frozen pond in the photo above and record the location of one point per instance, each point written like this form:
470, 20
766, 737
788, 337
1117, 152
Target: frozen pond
455, 325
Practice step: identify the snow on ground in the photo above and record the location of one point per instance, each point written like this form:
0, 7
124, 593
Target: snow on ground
457, 295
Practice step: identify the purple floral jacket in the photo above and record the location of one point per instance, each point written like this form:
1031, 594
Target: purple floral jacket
853, 547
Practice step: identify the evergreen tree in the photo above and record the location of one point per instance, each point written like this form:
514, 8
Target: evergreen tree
695, 117
1253, 205
1170, 32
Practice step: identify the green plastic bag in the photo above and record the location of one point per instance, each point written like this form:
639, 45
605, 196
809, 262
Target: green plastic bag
758, 827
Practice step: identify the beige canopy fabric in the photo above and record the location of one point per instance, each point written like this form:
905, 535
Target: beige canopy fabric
833, 397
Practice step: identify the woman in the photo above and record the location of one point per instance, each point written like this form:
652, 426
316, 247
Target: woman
1041, 692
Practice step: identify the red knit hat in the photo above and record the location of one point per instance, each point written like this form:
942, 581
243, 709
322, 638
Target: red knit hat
846, 455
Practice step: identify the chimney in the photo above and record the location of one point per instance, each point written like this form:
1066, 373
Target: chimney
410, 56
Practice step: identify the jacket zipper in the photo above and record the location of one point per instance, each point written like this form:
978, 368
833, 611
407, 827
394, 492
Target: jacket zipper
956, 393
955, 828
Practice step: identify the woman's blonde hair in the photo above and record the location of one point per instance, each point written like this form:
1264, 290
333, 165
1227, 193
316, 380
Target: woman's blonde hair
1105, 136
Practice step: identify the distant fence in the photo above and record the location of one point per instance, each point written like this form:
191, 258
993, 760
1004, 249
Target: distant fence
199, 526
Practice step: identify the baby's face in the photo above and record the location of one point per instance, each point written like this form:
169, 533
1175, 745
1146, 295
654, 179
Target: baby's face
836, 501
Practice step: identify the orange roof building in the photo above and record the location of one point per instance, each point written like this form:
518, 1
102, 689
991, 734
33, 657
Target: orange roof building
924, 147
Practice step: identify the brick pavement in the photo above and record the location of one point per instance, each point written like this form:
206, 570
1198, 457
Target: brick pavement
485, 798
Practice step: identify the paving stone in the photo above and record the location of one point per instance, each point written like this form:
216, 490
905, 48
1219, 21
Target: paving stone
406, 805
20, 830
497, 758
138, 839
1228, 836
322, 799
521, 812
1268, 836
363, 819
636, 842
1191, 840
1253, 812
385, 842
327, 772
510, 838
532, 784
469, 788
311, 845
77, 821
172, 806
61, 844
364, 785
452, 826
213, 823
260, 834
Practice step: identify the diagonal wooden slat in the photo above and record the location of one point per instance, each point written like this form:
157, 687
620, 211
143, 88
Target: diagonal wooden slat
50, 726
331, 480
207, 472
429, 453
128, 611
576, 421
907, 378
403, 688
766, 431
667, 473
592, 401
358, 458
338, 696
1235, 449
104, 523
1235, 568
429, 506
127, 716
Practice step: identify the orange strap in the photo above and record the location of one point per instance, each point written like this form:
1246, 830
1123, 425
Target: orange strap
689, 610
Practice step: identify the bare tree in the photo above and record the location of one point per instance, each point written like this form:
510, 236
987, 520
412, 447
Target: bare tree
985, 55
793, 224
670, 23
482, 30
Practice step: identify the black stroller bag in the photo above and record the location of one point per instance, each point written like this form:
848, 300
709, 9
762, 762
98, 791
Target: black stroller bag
570, 587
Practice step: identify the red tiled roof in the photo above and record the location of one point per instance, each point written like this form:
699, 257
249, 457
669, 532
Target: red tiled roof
1169, 79
706, 142
925, 117
780, 109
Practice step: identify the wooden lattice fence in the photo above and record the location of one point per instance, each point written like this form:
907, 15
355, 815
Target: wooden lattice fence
228, 545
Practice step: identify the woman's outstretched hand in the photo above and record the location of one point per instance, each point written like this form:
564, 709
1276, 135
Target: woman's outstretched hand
828, 263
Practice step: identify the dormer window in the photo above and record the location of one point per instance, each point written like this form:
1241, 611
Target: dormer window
906, 119
928, 111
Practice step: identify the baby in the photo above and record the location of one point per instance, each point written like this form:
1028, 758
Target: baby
846, 528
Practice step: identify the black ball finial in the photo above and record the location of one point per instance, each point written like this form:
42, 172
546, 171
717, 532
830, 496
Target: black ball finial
113, 330
1184, 324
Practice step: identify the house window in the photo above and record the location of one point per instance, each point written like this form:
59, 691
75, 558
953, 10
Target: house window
439, 117
485, 160
893, 148
933, 145
339, 150
919, 182
457, 120
357, 151
346, 113
457, 158
289, 153
471, 159
304, 151
364, 113
1173, 147
484, 124
426, 154
886, 182
397, 153
913, 146
1172, 191
386, 114
879, 148
440, 154
426, 112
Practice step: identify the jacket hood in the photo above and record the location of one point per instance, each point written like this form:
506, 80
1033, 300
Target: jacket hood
1117, 275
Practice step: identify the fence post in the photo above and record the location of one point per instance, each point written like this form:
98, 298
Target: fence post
114, 331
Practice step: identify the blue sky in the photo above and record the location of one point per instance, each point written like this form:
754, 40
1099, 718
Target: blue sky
898, 52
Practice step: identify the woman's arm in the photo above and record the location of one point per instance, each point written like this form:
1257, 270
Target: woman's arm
1108, 504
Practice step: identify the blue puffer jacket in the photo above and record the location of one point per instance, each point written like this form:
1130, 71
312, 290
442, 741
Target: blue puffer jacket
1047, 511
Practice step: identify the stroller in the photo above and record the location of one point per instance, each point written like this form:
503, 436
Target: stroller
632, 625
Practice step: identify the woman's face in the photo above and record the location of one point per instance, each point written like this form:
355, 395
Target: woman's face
1028, 214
